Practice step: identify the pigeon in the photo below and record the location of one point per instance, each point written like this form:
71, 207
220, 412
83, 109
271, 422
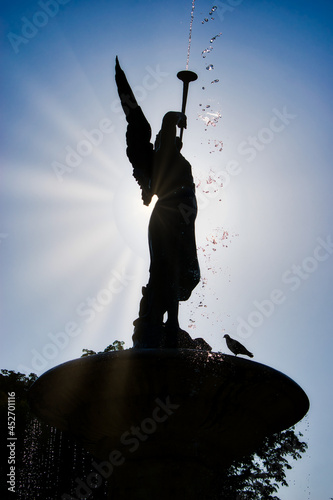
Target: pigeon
236, 347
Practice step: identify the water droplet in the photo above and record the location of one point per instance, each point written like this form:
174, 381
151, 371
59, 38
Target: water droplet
216, 36
203, 88
210, 67
210, 118
206, 51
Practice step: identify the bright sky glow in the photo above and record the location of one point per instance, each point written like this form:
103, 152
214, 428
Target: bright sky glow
73, 226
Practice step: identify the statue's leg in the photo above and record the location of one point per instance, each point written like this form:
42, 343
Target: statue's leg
172, 325
148, 327
172, 321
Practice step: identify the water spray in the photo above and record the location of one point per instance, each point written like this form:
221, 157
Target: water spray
187, 76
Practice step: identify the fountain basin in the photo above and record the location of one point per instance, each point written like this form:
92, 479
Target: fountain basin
157, 414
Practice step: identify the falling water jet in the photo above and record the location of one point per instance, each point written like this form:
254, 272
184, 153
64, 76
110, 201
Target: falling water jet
187, 76
190, 34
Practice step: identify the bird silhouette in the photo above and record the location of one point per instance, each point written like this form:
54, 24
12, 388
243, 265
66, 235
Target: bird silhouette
236, 347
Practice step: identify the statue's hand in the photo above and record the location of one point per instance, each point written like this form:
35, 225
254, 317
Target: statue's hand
182, 121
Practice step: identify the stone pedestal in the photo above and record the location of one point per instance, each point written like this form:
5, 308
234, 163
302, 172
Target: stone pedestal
162, 422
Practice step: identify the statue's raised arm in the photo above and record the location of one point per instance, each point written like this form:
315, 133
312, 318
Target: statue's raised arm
139, 148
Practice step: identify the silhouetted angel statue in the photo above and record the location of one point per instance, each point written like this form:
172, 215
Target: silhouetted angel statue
161, 169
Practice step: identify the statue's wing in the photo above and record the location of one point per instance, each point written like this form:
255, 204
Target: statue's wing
139, 148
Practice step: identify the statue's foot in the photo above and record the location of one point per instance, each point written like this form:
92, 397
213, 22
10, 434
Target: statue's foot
177, 338
171, 329
147, 336
165, 336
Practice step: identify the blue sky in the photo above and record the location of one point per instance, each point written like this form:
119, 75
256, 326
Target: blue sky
73, 232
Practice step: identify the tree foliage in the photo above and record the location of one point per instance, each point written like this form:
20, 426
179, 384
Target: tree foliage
117, 345
258, 476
